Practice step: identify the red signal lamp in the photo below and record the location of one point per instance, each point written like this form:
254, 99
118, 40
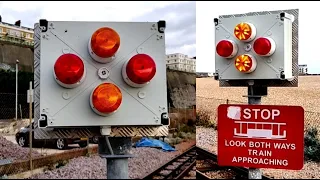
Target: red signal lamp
69, 70
139, 70
227, 48
264, 46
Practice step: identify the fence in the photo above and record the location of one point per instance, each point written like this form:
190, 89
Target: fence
7, 106
311, 119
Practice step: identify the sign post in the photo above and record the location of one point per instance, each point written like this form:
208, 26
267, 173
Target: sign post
30, 101
254, 99
116, 150
260, 136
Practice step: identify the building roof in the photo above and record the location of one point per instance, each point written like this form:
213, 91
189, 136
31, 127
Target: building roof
22, 27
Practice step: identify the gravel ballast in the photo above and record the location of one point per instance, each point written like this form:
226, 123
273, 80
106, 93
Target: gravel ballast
145, 161
207, 139
9, 150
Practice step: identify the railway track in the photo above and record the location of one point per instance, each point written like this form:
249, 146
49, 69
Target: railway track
207, 168
177, 168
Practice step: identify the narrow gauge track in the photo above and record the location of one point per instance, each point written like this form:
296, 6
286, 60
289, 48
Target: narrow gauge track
177, 168
207, 168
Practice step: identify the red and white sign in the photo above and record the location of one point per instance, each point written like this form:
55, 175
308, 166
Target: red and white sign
261, 136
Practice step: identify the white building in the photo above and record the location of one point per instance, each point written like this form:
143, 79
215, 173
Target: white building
303, 69
181, 62
16, 33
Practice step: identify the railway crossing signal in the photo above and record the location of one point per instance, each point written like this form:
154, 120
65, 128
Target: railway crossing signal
91, 75
257, 50
259, 46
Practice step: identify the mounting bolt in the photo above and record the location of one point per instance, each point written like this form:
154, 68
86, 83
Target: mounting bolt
140, 50
65, 95
142, 94
66, 50
250, 82
162, 29
103, 73
269, 33
247, 47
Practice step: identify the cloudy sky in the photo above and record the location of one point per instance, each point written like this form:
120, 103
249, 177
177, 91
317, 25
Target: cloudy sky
308, 28
180, 16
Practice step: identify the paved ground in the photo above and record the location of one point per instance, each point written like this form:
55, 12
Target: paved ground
46, 151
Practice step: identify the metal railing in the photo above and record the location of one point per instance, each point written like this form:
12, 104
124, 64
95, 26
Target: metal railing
17, 41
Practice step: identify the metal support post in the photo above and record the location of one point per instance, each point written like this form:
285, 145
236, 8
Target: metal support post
17, 69
116, 151
31, 128
254, 97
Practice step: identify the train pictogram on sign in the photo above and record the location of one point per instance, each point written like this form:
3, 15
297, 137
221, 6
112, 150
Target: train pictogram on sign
256, 130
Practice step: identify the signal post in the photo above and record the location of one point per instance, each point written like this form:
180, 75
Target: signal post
105, 79
256, 50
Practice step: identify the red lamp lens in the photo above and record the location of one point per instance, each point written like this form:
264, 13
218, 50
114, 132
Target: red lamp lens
224, 48
141, 68
262, 46
69, 69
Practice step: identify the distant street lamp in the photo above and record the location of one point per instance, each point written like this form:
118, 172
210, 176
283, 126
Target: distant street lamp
17, 63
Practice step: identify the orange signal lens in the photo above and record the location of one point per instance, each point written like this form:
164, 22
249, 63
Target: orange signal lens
106, 98
105, 42
245, 31
245, 63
